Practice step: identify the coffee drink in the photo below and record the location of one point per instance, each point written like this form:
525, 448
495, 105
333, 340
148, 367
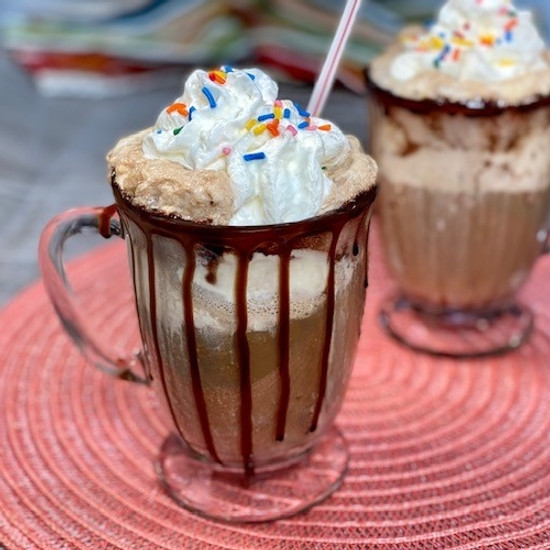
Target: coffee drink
247, 221
460, 127
464, 196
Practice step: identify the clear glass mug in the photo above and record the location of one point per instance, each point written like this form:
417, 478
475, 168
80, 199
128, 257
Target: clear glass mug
249, 335
464, 203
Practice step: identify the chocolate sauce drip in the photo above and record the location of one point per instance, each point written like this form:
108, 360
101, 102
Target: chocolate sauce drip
189, 323
284, 341
331, 291
476, 107
104, 221
243, 352
366, 240
279, 239
212, 256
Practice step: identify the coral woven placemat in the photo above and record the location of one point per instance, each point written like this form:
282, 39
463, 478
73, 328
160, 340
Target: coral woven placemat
444, 454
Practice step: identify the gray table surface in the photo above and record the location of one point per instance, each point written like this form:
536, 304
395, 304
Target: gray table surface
52, 156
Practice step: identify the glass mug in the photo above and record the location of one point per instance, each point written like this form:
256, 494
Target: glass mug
464, 204
249, 335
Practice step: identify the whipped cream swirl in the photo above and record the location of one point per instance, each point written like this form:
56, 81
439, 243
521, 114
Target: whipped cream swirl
274, 152
485, 40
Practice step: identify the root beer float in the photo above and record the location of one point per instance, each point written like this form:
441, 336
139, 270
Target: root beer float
250, 316
460, 127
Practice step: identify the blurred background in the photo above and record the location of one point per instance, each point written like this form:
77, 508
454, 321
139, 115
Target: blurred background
105, 47
76, 75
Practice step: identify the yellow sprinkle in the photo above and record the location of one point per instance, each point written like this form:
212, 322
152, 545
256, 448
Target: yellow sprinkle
259, 129
436, 42
251, 123
278, 112
506, 62
462, 42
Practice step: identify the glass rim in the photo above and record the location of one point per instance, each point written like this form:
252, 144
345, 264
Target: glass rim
475, 107
309, 226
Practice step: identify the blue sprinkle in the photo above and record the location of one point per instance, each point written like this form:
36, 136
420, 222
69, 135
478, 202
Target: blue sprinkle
159, 131
192, 109
303, 125
286, 113
301, 111
508, 35
252, 77
266, 117
227, 68
441, 57
254, 156
209, 96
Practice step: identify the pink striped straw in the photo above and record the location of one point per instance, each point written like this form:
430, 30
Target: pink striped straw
325, 81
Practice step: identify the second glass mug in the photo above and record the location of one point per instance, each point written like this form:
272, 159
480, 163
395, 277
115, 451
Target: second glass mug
252, 386
458, 241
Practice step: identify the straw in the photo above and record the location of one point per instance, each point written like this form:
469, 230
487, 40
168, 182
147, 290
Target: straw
324, 82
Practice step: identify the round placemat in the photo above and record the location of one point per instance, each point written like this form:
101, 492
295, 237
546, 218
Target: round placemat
444, 453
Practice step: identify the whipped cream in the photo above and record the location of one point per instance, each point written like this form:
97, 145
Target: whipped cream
485, 40
274, 153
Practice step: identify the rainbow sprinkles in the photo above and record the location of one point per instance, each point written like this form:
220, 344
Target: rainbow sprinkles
285, 118
269, 154
474, 37
449, 46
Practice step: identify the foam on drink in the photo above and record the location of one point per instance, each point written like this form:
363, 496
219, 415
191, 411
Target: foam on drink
230, 152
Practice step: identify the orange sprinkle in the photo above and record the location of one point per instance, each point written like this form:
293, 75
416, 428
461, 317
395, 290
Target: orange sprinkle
181, 108
325, 127
273, 127
456, 54
487, 40
217, 76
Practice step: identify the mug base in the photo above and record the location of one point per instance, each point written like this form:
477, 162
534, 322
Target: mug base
456, 333
268, 494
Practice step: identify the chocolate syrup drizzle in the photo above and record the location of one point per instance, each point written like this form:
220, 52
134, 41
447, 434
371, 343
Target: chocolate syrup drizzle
278, 239
284, 342
331, 285
192, 353
475, 107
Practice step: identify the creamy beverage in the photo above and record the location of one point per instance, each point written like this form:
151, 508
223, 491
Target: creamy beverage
464, 198
248, 222
460, 127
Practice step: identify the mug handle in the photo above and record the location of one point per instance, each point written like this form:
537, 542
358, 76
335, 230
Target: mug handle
98, 220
